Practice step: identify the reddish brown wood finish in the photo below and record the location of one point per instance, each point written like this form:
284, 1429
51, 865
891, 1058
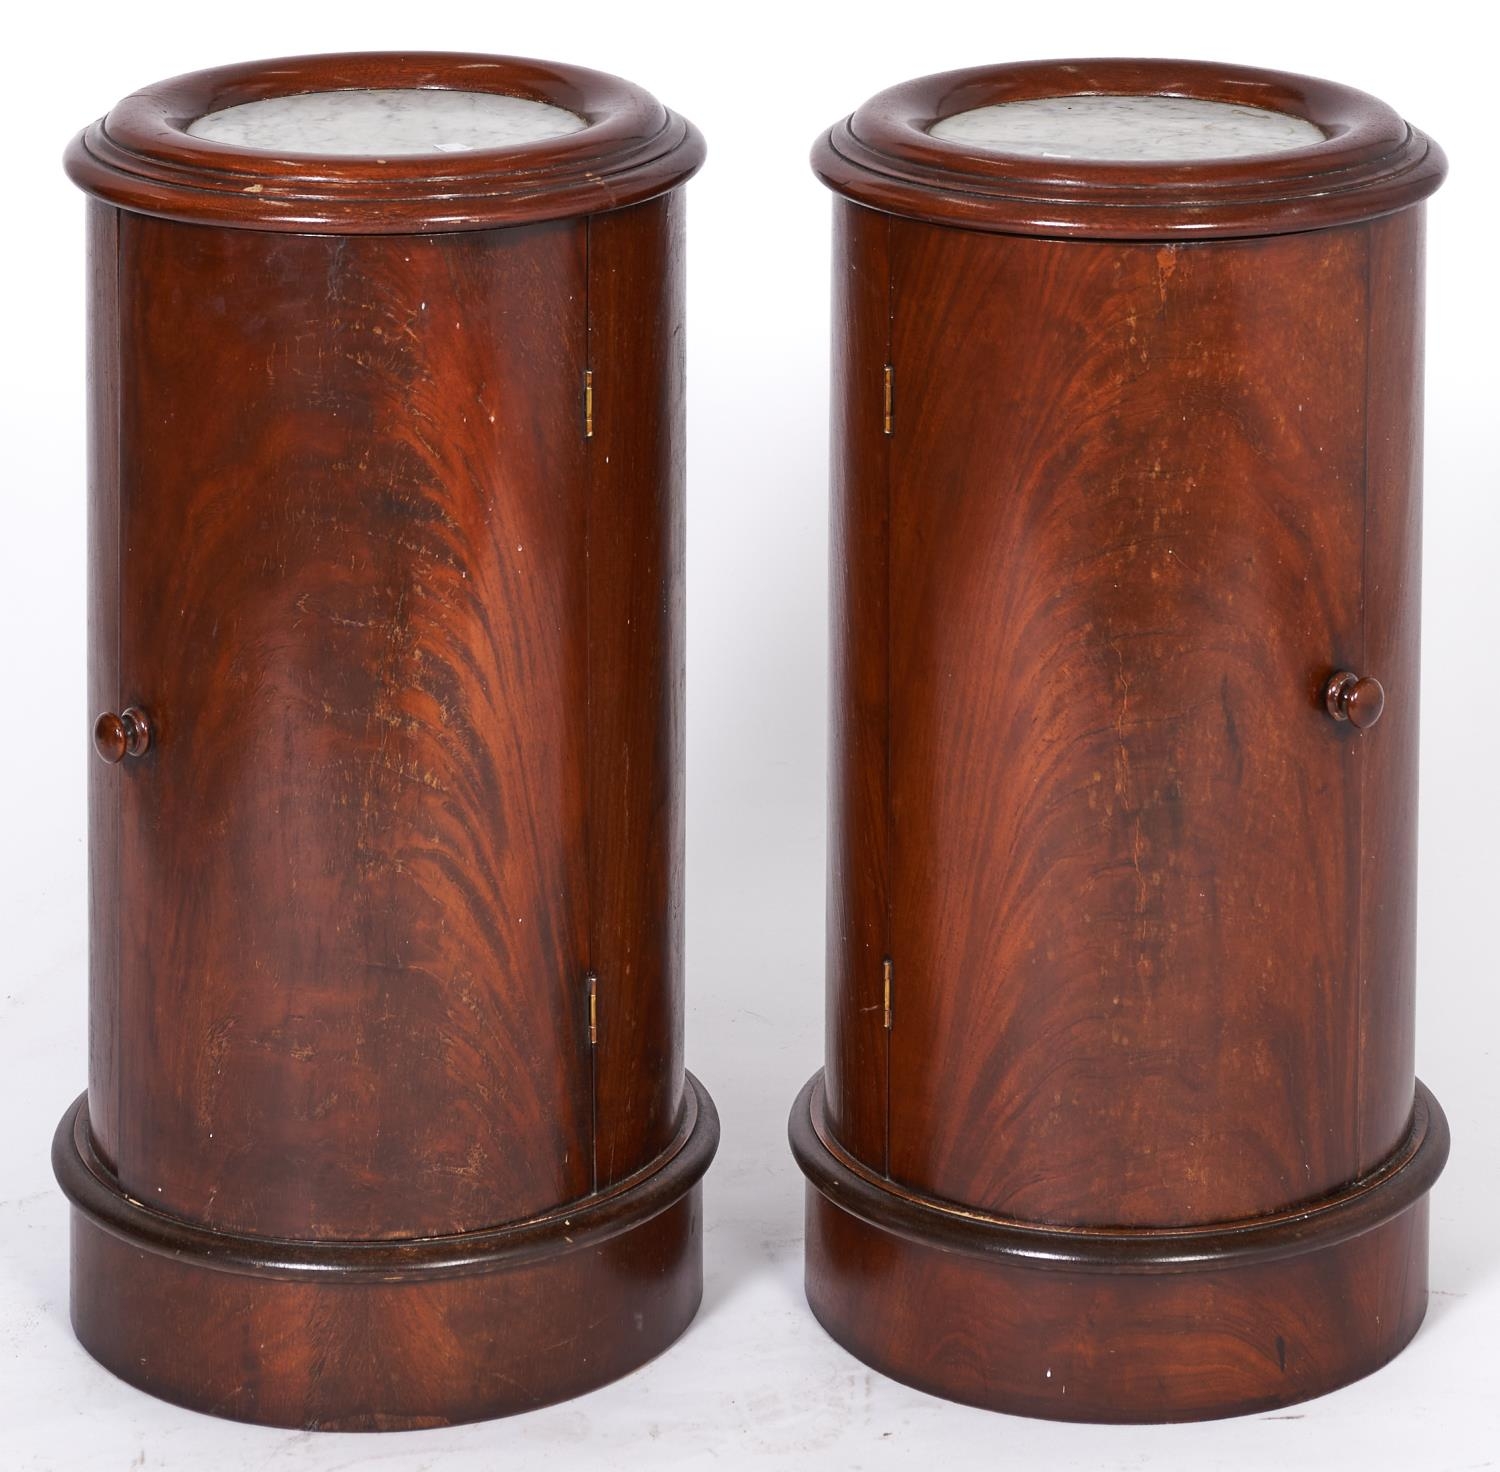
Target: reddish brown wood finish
387, 919
379, 1335
344, 586
1157, 912
1392, 651
389, 1356
636, 663
104, 671
1091, 1347
1120, 921
1371, 162
1350, 698
142, 158
122, 735
1122, 1324
858, 574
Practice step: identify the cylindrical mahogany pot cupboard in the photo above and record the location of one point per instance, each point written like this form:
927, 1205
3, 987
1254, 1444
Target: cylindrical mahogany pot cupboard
387, 1123
1119, 1120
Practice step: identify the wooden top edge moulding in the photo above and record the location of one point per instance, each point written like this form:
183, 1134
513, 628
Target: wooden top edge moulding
900, 153
617, 146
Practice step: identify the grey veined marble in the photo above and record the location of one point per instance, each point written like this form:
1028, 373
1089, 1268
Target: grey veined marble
370, 123
1168, 129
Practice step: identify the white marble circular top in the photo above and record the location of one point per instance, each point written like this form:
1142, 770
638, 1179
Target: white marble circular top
1120, 127
384, 124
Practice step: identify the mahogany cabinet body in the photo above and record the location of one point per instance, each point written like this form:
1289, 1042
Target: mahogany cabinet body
387, 1123
1119, 1118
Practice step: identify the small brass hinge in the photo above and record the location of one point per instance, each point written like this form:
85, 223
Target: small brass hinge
888, 968
890, 399
588, 403
593, 986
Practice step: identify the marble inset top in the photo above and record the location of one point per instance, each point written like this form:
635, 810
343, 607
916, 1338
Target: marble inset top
386, 123
1127, 127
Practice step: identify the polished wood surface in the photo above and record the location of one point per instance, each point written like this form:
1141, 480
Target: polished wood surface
635, 673
377, 1356
1402, 1178
1123, 741
141, 157
1392, 651
122, 735
858, 932
1081, 1346
387, 659
1118, 1324
1144, 510
104, 669
346, 582
1350, 698
1370, 163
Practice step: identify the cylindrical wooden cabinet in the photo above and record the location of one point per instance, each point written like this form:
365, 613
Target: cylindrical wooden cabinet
387, 1123
1119, 1118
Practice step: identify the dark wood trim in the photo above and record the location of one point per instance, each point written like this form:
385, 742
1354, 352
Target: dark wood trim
1134, 1348
141, 157
396, 1355
622, 1207
1387, 1191
1371, 164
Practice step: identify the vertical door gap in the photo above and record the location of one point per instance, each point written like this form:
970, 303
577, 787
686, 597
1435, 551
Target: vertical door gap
890, 817
591, 940
117, 411
592, 983
1367, 238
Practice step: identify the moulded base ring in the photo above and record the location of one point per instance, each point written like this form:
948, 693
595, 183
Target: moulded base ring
1118, 1325
388, 1335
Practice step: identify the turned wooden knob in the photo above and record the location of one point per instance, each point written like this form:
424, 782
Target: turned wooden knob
1358, 701
119, 736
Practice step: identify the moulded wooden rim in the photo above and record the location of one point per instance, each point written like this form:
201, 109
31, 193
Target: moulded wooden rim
630, 1203
141, 157
1371, 162
1404, 1178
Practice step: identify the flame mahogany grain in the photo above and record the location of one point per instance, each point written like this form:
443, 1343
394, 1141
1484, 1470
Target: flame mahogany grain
1106, 744
341, 595
1151, 476
410, 641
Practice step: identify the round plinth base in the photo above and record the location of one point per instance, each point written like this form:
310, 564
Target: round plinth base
1118, 1325
388, 1335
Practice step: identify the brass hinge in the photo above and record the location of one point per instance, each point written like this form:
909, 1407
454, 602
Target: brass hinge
593, 986
588, 403
890, 397
888, 968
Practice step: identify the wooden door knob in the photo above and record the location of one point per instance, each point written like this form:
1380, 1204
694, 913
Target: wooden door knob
119, 736
1354, 699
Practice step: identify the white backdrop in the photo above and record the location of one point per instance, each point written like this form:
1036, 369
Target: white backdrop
755, 1382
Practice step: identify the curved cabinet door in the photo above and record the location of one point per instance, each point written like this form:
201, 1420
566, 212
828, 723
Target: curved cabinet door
351, 869
1127, 543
